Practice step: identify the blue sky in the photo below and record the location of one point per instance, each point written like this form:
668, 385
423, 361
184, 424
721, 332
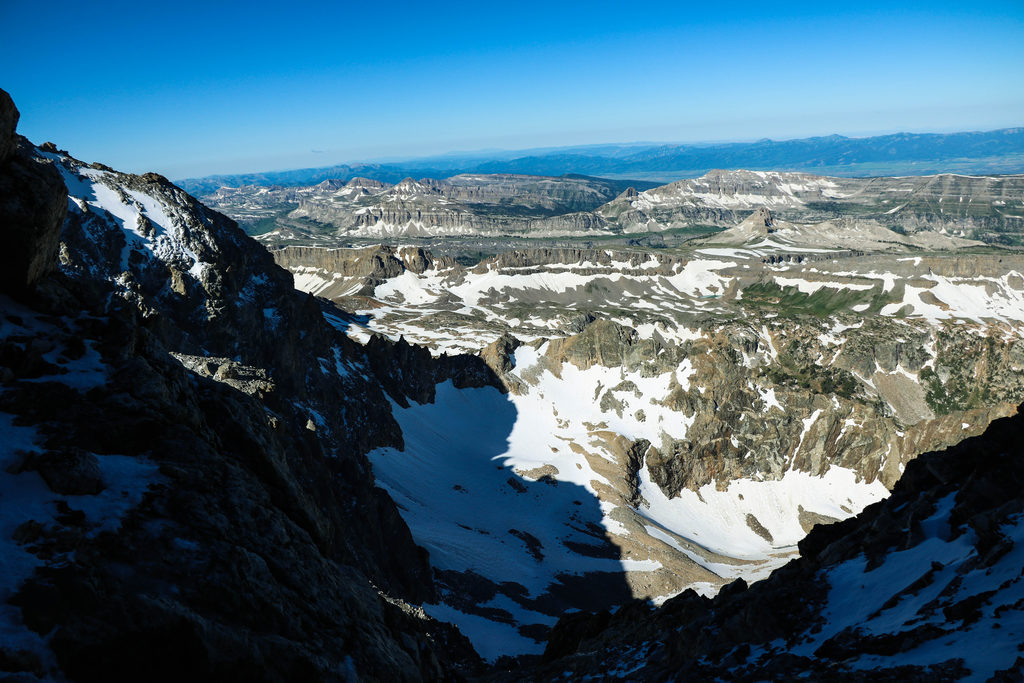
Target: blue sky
197, 88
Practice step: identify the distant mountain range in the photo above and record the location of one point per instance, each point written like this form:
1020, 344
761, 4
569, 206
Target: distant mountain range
992, 152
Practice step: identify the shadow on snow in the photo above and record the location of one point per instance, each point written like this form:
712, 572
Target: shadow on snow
511, 553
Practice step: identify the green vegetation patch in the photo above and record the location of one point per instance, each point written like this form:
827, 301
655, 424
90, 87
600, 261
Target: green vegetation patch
795, 371
975, 371
824, 302
946, 398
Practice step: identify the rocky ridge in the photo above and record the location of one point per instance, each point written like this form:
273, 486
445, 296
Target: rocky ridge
184, 481
461, 204
986, 208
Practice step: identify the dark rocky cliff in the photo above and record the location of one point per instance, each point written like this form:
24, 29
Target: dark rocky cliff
191, 435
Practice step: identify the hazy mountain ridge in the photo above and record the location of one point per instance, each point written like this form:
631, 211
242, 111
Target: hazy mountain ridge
889, 154
999, 151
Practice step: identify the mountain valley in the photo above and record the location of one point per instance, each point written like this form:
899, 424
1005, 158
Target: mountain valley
505, 427
716, 403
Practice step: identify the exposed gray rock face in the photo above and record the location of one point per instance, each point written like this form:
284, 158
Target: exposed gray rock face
463, 204
764, 218
564, 194
735, 434
358, 271
408, 372
201, 432
585, 261
498, 354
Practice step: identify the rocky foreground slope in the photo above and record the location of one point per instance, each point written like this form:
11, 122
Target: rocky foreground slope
184, 492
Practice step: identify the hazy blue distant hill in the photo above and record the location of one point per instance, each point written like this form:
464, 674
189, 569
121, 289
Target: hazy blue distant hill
992, 152
308, 176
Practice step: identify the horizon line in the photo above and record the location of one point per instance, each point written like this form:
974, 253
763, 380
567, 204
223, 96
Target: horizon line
635, 143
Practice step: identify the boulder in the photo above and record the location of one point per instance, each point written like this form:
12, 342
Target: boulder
71, 472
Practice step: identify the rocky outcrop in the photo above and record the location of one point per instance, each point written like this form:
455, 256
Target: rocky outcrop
602, 342
375, 263
499, 354
416, 221
407, 371
582, 261
348, 272
561, 195
33, 201
8, 125
580, 223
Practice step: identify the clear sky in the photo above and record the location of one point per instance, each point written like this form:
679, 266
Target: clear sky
191, 89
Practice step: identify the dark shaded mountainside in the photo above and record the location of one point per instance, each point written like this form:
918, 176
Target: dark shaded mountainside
184, 492
999, 151
183, 482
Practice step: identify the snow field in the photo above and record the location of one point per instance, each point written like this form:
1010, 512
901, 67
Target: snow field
462, 486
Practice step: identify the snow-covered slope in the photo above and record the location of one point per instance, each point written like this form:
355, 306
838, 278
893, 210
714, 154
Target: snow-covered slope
527, 493
683, 402
926, 585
